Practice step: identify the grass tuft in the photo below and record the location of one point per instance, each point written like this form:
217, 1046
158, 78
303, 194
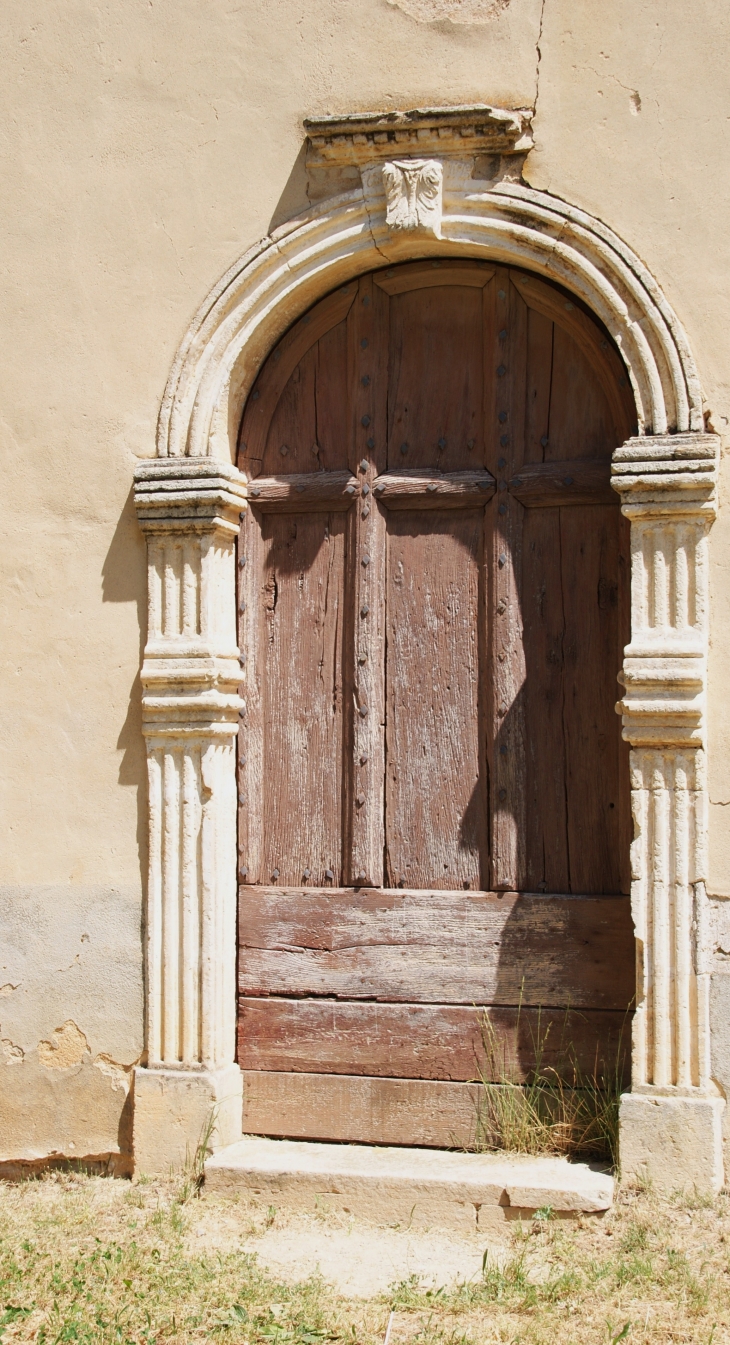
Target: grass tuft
558, 1109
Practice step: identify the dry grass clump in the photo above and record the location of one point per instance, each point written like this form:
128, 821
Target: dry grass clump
91, 1260
557, 1109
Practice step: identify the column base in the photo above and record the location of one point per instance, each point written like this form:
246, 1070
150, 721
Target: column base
172, 1110
673, 1142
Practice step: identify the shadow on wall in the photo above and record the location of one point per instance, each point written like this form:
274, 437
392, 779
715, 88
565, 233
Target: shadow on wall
124, 579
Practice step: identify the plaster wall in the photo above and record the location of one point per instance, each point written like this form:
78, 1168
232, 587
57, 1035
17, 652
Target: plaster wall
145, 147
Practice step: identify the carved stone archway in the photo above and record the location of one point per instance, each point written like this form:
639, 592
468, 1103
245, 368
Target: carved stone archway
427, 185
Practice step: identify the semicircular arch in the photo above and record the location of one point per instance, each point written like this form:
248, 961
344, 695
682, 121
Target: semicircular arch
278, 280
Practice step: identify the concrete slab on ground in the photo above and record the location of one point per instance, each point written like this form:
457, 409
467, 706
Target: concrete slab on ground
414, 1188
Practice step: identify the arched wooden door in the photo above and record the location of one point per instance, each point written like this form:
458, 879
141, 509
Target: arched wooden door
433, 790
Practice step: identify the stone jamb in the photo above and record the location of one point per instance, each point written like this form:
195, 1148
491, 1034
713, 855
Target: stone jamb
189, 501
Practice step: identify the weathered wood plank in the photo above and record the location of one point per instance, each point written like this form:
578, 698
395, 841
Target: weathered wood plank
278, 369
300, 602
359, 1110
544, 609
435, 379
435, 805
548, 484
315, 490
428, 1041
426, 275
364, 704
437, 947
589, 550
434, 490
505, 354
601, 356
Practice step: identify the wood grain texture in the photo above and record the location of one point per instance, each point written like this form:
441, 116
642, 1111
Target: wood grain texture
300, 604
436, 832
429, 274
365, 629
360, 1110
437, 947
590, 543
429, 449
601, 355
575, 481
427, 1041
435, 379
505, 321
434, 490
282, 363
316, 490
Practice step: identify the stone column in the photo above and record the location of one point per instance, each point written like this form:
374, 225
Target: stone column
189, 509
670, 1123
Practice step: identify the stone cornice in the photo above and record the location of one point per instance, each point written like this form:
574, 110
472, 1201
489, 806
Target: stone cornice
363, 137
188, 494
675, 469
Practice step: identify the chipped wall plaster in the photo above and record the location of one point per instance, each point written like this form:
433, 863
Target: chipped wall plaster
71, 1020
455, 11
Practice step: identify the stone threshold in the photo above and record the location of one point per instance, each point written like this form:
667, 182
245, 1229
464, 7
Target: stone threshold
416, 1188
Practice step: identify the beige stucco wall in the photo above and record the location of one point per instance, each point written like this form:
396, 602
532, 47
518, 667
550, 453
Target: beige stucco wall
145, 146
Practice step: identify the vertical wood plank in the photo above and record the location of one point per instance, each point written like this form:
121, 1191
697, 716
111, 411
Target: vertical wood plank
435, 797
547, 867
589, 556
300, 633
538, 383
505, 353
367, 334
435, 379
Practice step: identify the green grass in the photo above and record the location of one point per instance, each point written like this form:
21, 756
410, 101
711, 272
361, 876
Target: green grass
86, 1259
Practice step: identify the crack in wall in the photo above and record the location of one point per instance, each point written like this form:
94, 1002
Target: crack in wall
538, 51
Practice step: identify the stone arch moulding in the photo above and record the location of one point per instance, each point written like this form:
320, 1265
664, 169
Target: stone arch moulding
418, 193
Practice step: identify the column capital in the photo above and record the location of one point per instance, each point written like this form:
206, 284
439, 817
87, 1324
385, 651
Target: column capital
190, 495
667, 474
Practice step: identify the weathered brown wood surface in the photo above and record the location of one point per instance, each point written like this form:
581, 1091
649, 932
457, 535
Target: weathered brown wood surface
433, 601
429, 1041
300, 637
437, 947
434, 490
435, 804
300, 490
360, 1110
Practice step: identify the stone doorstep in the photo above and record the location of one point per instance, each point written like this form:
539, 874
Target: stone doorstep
416, 1187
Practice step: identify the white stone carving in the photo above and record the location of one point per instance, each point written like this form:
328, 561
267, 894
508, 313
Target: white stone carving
413, 191
189, 510
667, 486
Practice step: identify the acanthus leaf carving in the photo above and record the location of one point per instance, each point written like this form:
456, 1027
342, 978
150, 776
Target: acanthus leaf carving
413, 194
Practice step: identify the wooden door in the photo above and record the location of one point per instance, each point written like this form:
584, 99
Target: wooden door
434, 810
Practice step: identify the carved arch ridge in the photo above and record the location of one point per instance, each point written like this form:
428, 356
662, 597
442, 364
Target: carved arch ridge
282, 276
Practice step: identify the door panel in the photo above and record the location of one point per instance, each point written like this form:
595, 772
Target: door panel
433, 599
435, 811
300, 644
435, 379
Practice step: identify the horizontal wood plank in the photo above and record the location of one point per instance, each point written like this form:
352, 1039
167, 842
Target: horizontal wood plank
313, 490
427, 1041
434, 490
575, 481
437, 947
359, 1110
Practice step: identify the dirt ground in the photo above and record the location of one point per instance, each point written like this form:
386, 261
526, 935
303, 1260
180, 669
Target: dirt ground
101, 1260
